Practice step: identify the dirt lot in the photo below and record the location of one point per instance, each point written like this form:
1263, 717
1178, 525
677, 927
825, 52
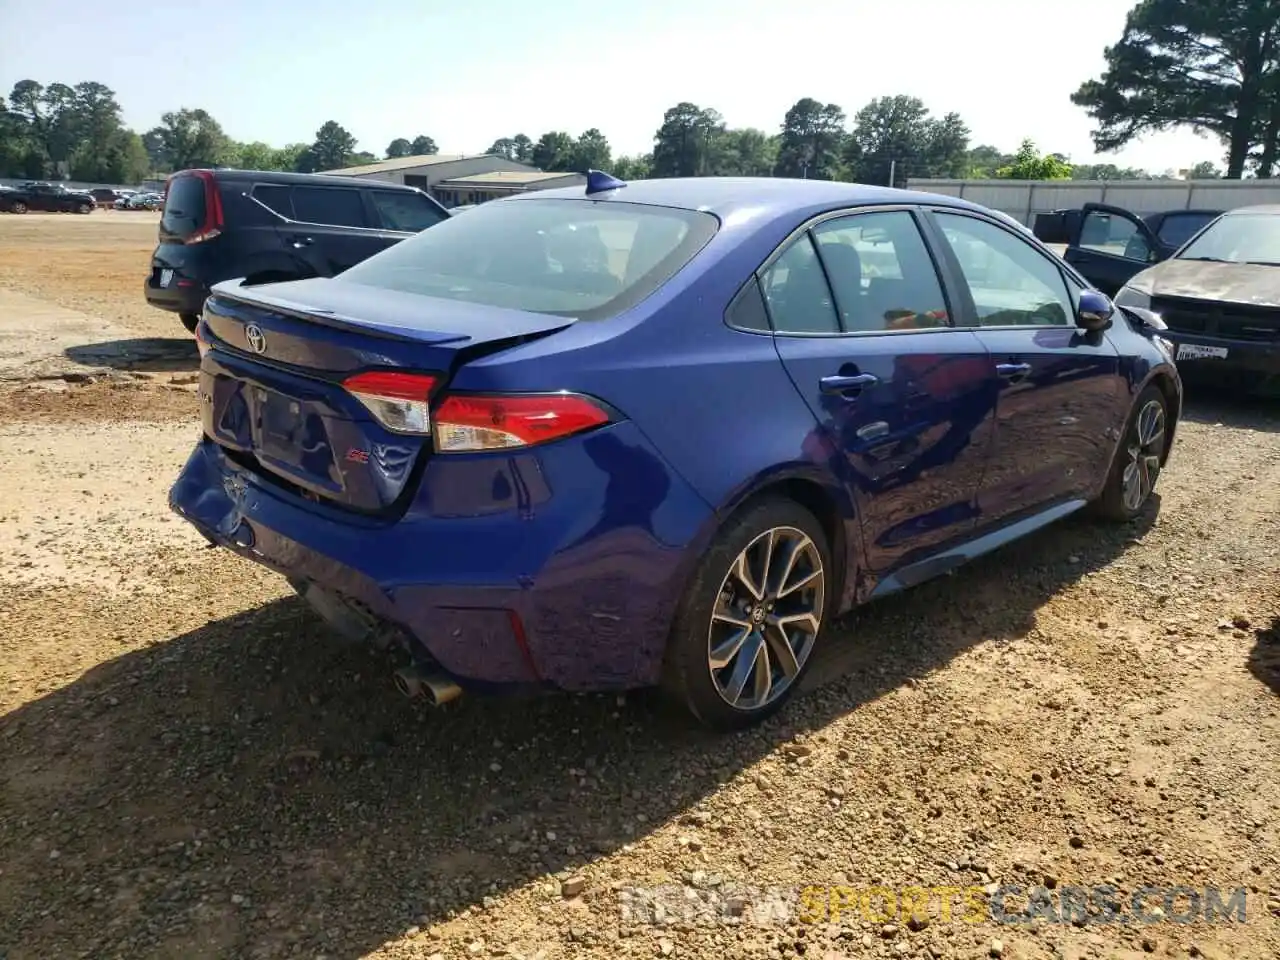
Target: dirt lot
191, 767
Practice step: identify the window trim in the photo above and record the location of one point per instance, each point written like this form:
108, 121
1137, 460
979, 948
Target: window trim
252, 193
916, 211
1070, 279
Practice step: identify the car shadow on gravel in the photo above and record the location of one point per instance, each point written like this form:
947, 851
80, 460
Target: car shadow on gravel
145, 354
253, 788
1264, 658
1215, 405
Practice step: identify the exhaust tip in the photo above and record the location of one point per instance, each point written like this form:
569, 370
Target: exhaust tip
440, 690
435, 688
407, 682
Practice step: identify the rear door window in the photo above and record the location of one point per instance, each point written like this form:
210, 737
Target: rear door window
183, 207
881, 272
575, 258
332, 205
404, 210
797, 293
276, 197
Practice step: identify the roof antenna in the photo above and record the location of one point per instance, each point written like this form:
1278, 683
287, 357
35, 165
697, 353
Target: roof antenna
600, 182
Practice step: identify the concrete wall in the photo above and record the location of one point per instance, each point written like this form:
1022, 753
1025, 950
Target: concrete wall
1023, 199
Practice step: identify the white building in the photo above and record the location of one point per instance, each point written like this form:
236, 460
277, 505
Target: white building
459, 178
479, 187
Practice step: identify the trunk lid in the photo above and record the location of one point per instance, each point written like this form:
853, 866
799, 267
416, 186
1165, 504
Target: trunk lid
271, 384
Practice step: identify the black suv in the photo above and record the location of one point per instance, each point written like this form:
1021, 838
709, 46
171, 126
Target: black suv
225, 224
53, 197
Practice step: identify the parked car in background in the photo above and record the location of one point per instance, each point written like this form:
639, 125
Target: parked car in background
49, 197
141, 200
267, 227
107, 196
1108, 245
1219, 295
663, 432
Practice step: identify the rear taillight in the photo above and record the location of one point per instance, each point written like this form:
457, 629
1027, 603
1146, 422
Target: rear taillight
399, 401
212, 225
202, 344
469, 423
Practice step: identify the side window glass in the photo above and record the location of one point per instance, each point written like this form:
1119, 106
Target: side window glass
401, 210
332, 205
1177, 228
275, 197
796, 291
881, 273
747, 310
1118, 236
1011, 282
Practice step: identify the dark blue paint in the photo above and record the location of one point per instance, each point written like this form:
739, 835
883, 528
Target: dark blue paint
586, 545
600, 182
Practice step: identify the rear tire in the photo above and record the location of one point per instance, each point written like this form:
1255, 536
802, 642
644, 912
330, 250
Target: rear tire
751, 618
1138, 461
190, 321
85, 208
19, 207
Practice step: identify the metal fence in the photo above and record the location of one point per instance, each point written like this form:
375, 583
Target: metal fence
1023, 199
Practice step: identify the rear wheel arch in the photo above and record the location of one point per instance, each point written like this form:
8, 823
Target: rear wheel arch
1164, 381
685, 673
820, 501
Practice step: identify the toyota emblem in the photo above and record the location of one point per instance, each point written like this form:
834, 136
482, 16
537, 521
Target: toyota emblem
257, 339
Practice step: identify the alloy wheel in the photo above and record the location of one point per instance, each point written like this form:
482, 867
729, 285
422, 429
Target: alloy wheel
1146, 444
766, 618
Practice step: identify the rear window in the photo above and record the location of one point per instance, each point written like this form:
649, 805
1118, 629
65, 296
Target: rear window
183, 207
574, 258
402, 210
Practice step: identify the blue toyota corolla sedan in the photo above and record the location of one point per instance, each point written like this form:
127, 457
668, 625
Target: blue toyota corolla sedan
663, 432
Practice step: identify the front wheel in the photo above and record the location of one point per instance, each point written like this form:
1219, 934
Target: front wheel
1138, 459
750, 620
84, 208
19, 207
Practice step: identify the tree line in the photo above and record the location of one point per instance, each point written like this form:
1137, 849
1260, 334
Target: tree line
1209, 65
76, 131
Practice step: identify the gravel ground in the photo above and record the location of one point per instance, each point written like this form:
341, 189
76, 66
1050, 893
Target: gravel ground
191, 767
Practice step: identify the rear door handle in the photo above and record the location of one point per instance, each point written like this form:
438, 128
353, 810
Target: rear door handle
1013, 372
847, 385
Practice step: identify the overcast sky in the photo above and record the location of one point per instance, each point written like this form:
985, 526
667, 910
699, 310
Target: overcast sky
275, 70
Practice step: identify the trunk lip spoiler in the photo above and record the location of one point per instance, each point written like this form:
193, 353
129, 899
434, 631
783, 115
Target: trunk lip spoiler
232, 290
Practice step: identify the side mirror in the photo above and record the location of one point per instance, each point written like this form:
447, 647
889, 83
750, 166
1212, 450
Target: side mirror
1094, 310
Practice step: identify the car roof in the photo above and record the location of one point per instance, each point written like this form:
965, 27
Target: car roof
1272, 209
276, 176
724, 196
